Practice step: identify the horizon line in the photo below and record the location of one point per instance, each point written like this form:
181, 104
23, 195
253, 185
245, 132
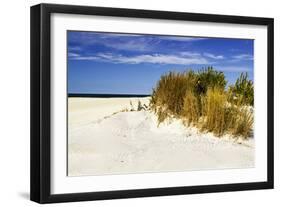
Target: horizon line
106, 95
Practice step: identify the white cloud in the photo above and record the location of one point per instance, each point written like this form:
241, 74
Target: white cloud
85, 58
162, 59
216, 57
130, 45
153, 58
72, 54
190, 54
243, 57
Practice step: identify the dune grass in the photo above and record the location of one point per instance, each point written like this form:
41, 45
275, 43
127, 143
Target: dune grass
214, 111
200, 99
169, 93
244, 123
191, 108
168, 96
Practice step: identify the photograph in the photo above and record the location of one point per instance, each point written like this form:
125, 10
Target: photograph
133, 103
156, 103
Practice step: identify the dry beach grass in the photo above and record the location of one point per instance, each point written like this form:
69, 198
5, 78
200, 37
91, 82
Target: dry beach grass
200, 99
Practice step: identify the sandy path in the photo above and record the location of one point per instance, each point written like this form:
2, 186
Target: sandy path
131, 142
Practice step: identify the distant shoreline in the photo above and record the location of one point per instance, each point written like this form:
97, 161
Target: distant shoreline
87, 95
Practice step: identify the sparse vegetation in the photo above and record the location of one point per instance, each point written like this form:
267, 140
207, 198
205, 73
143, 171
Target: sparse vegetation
140, 107
200, 99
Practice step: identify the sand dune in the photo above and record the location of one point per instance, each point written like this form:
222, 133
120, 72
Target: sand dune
104, 138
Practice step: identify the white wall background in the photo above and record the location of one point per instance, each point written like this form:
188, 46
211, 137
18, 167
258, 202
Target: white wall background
14, 104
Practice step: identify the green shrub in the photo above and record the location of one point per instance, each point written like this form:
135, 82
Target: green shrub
209, 78
242, 92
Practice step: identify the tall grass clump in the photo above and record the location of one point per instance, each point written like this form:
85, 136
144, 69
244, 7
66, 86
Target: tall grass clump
191, 108
222, 117
200, 99
172, 89
244, 123
214, 111
167, 98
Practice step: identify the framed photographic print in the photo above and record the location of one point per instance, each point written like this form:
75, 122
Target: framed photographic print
133, 103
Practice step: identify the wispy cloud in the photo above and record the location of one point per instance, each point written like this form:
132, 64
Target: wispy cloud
85, 58
72, 54
216, 57
126, 42
141, 45
190, 54
243, 57
151, 58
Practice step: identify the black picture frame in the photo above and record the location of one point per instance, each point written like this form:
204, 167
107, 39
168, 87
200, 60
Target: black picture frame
40, 180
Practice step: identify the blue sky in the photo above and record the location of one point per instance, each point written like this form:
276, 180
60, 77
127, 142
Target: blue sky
115, 63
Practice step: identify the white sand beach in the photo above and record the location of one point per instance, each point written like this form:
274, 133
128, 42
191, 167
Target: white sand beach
104, 138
